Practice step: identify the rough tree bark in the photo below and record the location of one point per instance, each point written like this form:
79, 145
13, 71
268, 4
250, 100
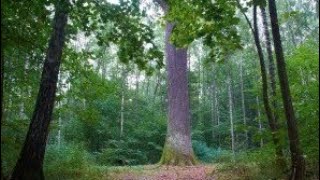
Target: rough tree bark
178, 147
297, 159
30, 163
272, 70
273, 83
271, 119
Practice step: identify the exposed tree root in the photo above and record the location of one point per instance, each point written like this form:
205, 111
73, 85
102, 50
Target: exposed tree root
170, 157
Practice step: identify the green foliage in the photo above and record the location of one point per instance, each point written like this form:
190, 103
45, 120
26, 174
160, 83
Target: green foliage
70, 162
214, 21
85, 133
303, 68
120, 152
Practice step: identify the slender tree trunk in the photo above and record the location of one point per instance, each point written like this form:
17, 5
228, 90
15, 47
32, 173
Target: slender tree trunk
59, 105
214, 106
123, 88
158, 83
178, 147
137, 81
30, 163
1, 96
200, 121
243, 104
122, 114
259, 120
317, 8
297, 159
218, 115
290, 28
272, 123
148, 84
216, 102
231, 113
272, 70
273, 83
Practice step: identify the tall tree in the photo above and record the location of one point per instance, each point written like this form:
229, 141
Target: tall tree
272, 70
30, 163
265, 96
317, 8
1, 96
243, 105
272, 123
230, 95
297, 159
178, 147
272, 77
214, 110
123, 89
259, 120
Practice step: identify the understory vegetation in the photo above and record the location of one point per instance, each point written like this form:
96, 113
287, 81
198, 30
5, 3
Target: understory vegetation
111, 107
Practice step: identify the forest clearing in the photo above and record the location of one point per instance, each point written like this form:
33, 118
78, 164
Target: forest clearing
160, 90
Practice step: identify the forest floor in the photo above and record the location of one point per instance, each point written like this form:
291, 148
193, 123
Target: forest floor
155, 172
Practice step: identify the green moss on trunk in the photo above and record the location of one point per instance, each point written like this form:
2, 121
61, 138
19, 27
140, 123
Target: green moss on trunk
174, 158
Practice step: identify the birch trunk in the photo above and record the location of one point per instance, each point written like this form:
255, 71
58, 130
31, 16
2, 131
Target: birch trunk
259, 120
243, 104
231, 113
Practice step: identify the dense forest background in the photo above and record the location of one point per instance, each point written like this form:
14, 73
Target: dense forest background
111, 101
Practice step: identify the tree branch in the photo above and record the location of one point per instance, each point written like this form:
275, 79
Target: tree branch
245, 15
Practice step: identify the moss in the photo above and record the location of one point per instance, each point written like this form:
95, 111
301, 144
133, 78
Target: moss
174, 158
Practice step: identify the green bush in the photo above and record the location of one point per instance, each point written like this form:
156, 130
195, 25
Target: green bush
65, 162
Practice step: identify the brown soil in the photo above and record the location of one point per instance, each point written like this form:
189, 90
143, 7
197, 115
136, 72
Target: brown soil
164, 173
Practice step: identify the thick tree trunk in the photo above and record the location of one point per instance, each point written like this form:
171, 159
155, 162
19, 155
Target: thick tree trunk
30, 163
178, 147
297, 159
271, 119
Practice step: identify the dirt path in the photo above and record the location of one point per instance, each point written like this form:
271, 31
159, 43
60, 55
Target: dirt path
163, 173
